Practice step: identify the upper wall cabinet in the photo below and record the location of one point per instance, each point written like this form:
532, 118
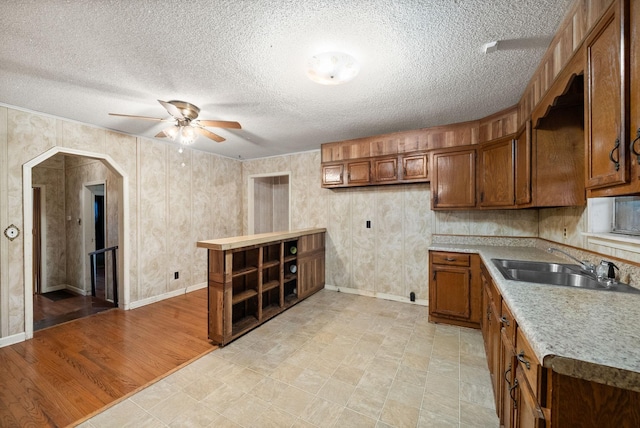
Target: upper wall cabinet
522, 172
496, 166
379, 170
607, 89
453, 182
630, 38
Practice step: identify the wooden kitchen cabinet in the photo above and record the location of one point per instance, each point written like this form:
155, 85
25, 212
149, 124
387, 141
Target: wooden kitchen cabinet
527, 411
333, 175
633, 142
496, 167
454, 288
358, 173
522, 167
415, 167
344, 174
380, 170
607, 89
453, 181
385, 169
310, 260
253, 278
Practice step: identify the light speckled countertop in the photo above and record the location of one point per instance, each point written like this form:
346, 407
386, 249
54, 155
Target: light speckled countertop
588, 334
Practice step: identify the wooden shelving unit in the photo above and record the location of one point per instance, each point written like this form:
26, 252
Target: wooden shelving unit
254, 278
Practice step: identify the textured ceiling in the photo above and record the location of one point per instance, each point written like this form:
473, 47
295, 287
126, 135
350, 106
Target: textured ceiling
422, 63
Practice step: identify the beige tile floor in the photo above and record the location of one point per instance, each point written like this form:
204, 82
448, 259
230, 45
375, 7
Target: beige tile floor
334, 360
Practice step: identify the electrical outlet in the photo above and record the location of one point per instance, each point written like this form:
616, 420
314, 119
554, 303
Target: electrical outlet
176, 275
368, 224
564, 232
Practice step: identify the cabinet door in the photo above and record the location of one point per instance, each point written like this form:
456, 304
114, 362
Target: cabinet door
506, 408
332, 175
527, 411
311, 264
449, 292
495, 352
607, 102
385, 169
415, 167
496, 165
358, 172
522, 174
454, 179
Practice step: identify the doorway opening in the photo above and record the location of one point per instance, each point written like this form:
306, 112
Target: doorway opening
72, 215
269, 202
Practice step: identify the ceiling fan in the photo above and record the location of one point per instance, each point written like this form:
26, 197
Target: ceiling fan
186, 126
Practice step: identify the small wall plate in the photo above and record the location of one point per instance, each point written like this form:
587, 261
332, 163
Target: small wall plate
12, 232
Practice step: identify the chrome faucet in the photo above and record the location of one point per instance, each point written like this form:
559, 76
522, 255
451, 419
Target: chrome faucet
588, 266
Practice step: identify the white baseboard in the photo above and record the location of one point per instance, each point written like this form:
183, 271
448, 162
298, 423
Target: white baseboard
77, 290
170, 294
383, 296
10, 340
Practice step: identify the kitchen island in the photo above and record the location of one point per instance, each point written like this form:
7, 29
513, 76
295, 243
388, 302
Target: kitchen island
253, 278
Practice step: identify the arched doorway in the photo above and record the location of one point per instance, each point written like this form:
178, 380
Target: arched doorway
121, 188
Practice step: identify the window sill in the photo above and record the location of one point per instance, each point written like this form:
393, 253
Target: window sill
614, 240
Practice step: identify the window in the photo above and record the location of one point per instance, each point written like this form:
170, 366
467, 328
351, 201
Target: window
626, 215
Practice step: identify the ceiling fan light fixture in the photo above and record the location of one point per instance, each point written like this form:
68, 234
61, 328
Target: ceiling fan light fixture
172, 132
188, 135
332, 68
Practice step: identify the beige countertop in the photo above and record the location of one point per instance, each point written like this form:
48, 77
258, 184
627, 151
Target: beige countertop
588, 334
249, 240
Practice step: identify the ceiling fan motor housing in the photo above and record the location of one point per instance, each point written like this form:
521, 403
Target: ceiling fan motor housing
188, 110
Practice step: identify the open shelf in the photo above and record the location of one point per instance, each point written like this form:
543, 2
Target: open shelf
243, 295
270, 285
270, 311
244, 324
270, 263
244, 271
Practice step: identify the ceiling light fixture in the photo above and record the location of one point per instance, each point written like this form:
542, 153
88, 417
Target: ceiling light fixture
332, 68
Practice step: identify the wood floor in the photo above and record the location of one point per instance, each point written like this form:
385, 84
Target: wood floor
69, 372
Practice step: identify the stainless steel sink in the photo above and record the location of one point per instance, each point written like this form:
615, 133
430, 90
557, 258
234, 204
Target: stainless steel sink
556, 274
535, 266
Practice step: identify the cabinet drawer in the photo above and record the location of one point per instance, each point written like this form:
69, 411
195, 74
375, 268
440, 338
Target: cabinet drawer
451, 259
508, 324
529, 363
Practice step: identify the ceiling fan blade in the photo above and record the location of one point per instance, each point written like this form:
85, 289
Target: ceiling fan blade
208, 134
173, 110
140, 117
220, 124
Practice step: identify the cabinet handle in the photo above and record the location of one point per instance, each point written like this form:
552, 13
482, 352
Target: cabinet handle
504, 320
512, 392
615, 161
489, 312
450, 259
632, 147
520, 358
506, 378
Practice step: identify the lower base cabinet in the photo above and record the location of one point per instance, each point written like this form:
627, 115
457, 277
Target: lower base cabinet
527, 395
251, 279
454, 288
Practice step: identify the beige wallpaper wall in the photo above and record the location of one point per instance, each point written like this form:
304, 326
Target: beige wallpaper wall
78, 172
171, 206
177, 199
390, 258
50, 175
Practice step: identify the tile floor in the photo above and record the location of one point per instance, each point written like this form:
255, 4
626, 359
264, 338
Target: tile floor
334, 360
